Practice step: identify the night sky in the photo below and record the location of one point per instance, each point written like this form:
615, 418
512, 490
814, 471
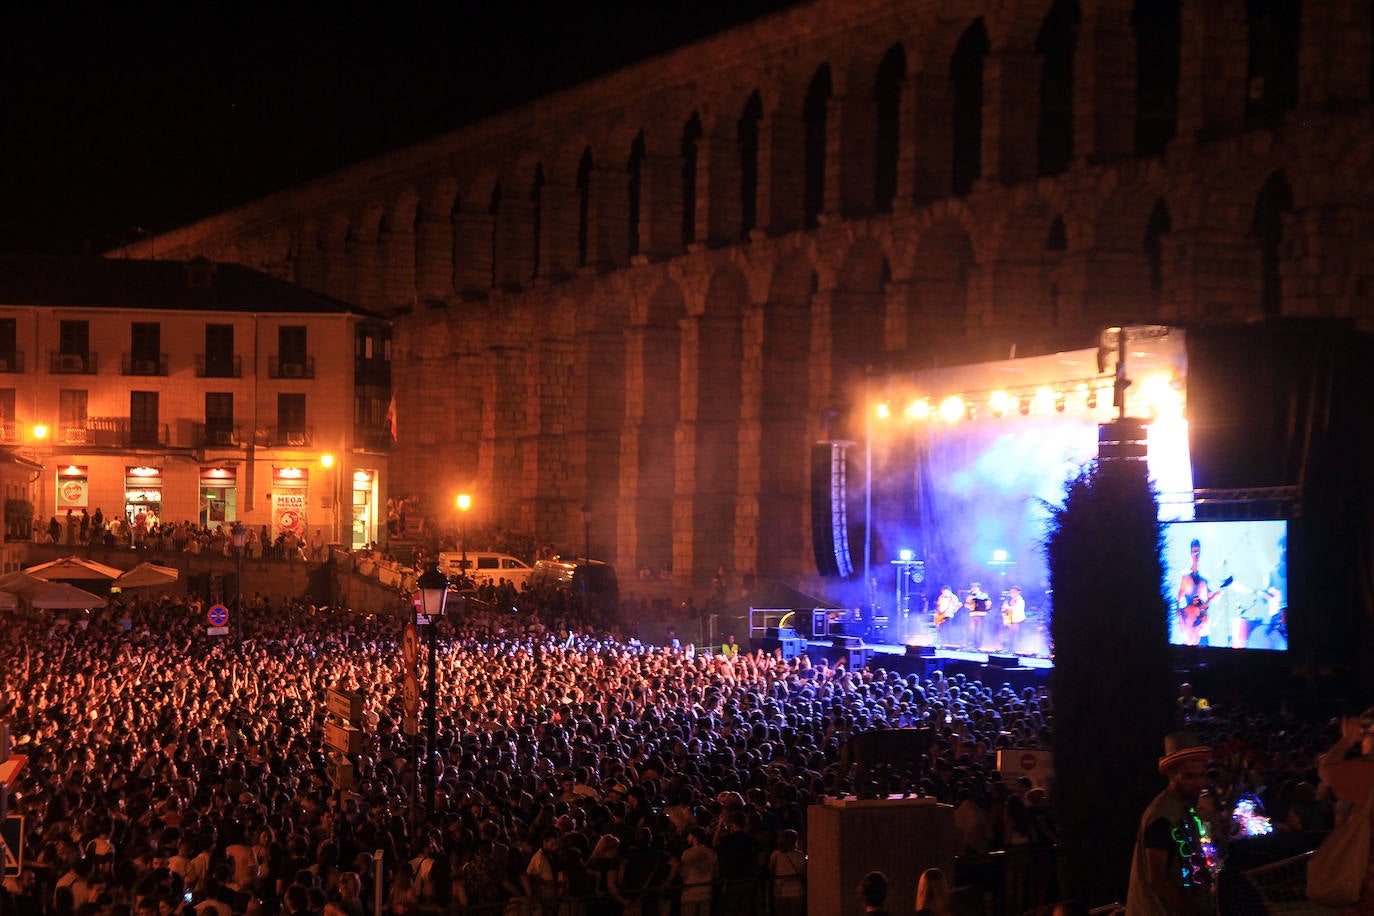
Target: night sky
118, 123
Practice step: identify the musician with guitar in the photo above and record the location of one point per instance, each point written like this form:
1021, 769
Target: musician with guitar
946, 607
1013, 615
977, 604
1194, 597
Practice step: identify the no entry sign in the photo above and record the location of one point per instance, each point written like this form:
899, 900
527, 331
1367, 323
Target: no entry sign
218, 615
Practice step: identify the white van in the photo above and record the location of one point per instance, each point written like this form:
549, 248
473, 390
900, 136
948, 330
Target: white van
482, 566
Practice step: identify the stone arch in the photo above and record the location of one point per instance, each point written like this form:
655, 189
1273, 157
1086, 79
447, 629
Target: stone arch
634, 168
747, 144
1272, 28
398, 249
1157, 28
690, 150
653, 407
938, 295
1055, 45
815, 116
434, 247
783, 383
857, 313
708, 475
966, 115
888, 83
1125, 272
583, 187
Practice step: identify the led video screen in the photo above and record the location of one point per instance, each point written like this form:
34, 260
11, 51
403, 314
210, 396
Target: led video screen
1227, 584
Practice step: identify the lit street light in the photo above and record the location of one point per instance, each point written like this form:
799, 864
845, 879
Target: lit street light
464, 503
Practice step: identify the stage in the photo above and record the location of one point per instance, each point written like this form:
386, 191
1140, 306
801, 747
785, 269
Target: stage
991, 668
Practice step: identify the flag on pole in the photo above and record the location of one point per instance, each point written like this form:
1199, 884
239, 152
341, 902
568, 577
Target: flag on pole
391, 417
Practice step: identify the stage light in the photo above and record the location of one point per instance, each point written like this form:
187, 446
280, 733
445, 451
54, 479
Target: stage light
971, 411
919, 410
999, 556
1092, 399
882, 411
1023, 405
951, 408
905, 555
1000, 401
1059, 402
1044, 398
1162, 399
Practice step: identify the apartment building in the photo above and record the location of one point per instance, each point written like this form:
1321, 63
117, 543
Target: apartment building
194, 390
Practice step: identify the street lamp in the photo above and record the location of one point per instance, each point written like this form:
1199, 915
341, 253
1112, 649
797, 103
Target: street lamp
433, 588
464, 503
240, 534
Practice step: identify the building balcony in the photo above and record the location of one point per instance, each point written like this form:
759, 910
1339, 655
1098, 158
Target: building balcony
376, 439
223, 436
142, 364
12, 362
284, 437
295, 367
9, 433
114, 432
218, 366
74, 363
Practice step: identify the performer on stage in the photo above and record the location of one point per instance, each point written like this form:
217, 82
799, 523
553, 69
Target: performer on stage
1013, 615
977, 603
946, 608
1194, 597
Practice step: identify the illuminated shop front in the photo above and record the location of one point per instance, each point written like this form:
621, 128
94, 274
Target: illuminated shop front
290, 499
218, 496
364, 505
73, 488
143, 494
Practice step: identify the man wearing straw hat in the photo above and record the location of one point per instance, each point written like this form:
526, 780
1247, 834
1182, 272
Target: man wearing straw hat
1174, 863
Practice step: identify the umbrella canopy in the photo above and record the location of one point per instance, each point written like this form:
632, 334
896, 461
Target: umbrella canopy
66, 569
8, 602
148, 575
23, 586
65, 595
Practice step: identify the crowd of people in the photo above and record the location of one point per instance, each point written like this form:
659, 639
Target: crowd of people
173, 771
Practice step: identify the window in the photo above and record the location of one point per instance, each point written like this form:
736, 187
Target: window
7, 420
74, 338
72, 408
291, 416
146, 340
219, 418
143, 418
9, 345
219, 351
291, 344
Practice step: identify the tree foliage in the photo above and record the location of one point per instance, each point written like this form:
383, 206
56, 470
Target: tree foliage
1111, 684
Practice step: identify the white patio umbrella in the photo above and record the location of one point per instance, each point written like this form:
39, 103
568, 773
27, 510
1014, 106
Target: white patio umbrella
148, 575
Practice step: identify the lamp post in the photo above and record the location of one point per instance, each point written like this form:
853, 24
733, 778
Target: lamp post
433, 588
240, 534
464, 503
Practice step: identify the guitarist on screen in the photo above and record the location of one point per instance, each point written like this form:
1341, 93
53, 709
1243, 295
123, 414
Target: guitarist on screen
1194, 597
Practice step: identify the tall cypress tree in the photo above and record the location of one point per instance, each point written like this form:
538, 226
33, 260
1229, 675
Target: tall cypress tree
1111, 684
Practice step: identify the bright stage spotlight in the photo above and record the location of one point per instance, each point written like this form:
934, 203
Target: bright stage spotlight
905, 555
883, 411
1044, 399
1059, 402
1162, 399
919, 410
1000, 402
951, 408
1023, 405
1092, 399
